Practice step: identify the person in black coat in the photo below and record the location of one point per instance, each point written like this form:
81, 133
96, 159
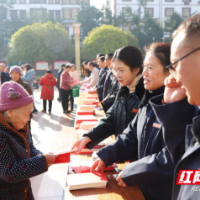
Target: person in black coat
4, 76
114, 89
128, 67
109, 75
181, 132
102, 75
111, 85
142, 141
58, 80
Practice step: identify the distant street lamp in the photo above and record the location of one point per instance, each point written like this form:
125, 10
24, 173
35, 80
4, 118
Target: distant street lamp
153, 39
77, 47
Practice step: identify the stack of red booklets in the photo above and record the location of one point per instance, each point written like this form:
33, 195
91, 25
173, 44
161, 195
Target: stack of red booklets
86, 110
86, 180
83, 118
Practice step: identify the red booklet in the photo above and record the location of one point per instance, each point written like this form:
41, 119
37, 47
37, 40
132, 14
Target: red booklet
86, 168
85, 112
63, 156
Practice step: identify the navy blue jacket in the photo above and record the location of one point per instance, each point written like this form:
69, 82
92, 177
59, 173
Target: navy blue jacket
110, 98
175, 124
143, 142
100, 84
117, 118
107, 83
4, 77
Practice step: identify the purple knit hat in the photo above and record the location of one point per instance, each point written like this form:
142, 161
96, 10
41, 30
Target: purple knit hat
15, 69
13, 95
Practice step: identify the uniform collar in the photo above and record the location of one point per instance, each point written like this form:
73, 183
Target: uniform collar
148, 94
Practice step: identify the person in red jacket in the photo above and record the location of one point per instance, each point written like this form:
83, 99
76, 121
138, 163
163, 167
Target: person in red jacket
47, 93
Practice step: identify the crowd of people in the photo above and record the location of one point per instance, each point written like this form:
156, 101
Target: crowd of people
151, 105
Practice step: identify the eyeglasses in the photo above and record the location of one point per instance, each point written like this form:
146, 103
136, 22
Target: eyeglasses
172, 70
119, 72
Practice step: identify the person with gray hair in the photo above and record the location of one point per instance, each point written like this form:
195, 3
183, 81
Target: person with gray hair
19, 159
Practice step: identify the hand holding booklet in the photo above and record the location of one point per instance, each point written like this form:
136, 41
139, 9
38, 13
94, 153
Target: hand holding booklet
63, 156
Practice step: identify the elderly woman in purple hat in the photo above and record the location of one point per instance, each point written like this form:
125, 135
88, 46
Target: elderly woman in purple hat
19, 159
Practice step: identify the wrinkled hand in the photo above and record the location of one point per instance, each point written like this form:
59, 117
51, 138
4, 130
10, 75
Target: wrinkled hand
173, 90
80, 144
51, 158
120, 181
98, 165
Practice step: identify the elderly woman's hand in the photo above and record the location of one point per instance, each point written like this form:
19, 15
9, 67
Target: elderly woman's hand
51, 158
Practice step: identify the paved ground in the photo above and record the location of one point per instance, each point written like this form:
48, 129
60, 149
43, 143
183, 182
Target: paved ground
51, 133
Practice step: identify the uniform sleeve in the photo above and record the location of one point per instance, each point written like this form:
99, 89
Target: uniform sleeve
153, 168
104, 129
13, 171
174, 118
125, 147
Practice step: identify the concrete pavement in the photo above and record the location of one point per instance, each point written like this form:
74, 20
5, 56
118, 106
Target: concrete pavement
51, 133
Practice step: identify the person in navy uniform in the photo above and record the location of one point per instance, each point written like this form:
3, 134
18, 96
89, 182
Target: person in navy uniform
127, 68
173, 110
108, 79
111, 85
142, 141
102, 75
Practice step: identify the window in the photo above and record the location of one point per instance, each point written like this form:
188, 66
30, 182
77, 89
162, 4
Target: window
22, 14
74, 13
57, 1
38, 1
149, 12
85, 1
51, 1
13, 15
127, 11
169, 0
3, 12
51, 13
70, 13
22, 1
150, 0
57, 14
38, 12
108, 3
169, 11
186, 12
66, 13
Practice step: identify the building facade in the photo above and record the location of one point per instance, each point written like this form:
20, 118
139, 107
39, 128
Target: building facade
63, 10
157, 9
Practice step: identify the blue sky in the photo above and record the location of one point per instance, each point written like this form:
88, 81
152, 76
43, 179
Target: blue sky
96, 3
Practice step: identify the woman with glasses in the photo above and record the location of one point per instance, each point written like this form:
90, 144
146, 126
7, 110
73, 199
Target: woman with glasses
127, 64
142, 141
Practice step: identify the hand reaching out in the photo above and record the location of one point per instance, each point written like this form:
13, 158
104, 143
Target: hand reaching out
120, 181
